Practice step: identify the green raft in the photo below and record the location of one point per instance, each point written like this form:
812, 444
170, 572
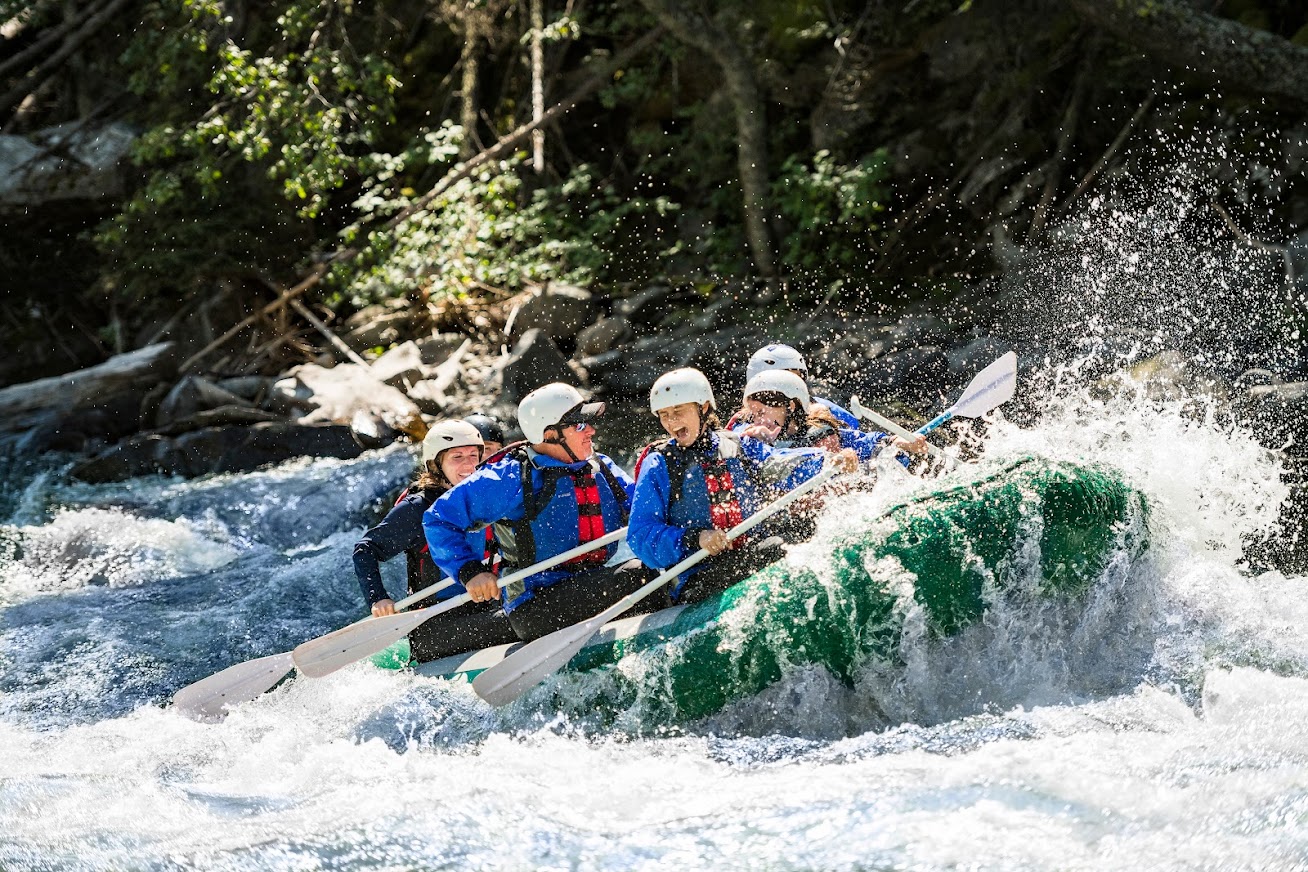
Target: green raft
1030, 529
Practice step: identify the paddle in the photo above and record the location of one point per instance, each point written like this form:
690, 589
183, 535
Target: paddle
889, 426
245, 681
990, 388
326, 654
529, 665
206, 698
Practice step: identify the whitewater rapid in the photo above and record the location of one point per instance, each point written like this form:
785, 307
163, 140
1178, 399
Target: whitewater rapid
1188, 751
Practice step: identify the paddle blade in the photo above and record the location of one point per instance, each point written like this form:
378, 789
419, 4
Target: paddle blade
208, 698
326, 654
992, 387
530, 665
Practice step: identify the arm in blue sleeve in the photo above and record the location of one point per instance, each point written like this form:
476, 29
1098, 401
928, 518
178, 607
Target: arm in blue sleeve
656, 542
866, 445
486, 496
399, 531
783, 468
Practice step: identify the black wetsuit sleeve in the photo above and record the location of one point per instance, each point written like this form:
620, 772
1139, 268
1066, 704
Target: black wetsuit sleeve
399, 531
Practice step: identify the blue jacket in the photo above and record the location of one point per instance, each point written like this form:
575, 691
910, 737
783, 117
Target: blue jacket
664, 531
494, 495
400, 532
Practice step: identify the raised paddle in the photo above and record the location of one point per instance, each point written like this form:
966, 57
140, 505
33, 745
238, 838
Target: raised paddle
529, 665
326, 654
990, 388
206, 698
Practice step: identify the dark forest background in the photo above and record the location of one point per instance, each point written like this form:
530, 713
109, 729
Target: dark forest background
444, 156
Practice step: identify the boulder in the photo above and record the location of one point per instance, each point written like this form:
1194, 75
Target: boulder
218, 449
535, 361
918, 373
340, 394
604, 335
73, 161
558, 311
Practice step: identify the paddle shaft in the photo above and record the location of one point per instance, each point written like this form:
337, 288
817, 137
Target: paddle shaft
506, 680
890, 426
734, 533
325, 654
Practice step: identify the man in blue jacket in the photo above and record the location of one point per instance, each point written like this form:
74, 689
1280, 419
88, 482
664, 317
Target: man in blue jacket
543, 498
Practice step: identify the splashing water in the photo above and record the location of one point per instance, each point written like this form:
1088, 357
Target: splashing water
1157, 723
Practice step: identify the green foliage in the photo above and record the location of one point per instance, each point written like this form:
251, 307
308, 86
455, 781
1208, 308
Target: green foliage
288, 96
488, 229
833, 212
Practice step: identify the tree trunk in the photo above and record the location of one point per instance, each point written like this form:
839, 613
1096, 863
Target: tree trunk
468, 108
703, 33
1249, 59
537, 85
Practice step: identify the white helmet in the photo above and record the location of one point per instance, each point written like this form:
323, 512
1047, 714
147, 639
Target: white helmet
775, 357
552, 405
779, 381
449, 434
681, 386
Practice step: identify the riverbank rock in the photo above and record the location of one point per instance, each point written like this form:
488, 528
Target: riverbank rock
217, 449
350, 394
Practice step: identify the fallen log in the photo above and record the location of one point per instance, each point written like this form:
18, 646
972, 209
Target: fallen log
22, 405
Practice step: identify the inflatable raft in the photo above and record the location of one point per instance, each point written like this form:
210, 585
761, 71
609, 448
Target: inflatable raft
1029, 529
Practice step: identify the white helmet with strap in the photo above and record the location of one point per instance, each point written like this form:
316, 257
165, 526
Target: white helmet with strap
775, 357
554, 405
449, 434
678, 386
779, 381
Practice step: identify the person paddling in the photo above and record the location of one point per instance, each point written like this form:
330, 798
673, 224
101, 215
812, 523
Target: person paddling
543, 497
450, 453
783, 357
777, 409
705, 480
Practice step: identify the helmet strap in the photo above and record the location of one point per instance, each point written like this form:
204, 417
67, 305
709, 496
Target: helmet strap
562, 442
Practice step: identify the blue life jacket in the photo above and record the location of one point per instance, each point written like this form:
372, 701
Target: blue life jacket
671, 505
531, 523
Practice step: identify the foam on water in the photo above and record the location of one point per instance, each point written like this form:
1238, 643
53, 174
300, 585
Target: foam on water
1160, 723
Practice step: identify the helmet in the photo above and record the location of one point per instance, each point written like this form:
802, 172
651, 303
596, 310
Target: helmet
781, 382
449, 434
490, 429
552, 405
775, 357
680, 386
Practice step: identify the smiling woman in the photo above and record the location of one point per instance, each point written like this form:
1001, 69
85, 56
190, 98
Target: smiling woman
450, 453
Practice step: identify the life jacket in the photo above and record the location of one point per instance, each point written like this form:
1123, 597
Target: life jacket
518, 543
420, 570
723, 497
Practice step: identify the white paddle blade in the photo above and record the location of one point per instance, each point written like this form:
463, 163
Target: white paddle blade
209, 698
531, 664
992, 387
326, 654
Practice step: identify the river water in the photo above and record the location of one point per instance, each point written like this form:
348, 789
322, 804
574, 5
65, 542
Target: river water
1185, 749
